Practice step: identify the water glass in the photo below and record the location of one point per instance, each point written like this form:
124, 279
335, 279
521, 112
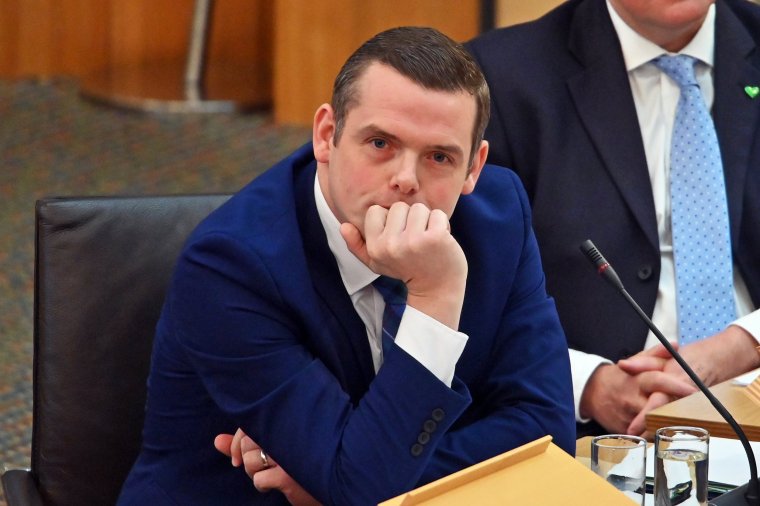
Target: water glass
680, 467
621, 460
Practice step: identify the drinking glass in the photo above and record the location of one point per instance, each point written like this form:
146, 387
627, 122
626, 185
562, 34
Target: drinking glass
621, 460
680, 466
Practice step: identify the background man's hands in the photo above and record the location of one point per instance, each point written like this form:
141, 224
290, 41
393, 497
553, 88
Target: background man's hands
714, 359
615, 396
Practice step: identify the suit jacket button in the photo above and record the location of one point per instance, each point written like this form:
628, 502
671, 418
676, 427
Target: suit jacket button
645, 272
423, 438
417, 450
438, 414
429, 426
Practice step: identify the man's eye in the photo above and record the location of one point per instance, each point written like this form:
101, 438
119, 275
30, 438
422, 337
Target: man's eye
440, 158
379, 143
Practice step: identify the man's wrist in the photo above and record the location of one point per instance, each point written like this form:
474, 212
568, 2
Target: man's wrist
582, 367
733, 352
586, 405
744, 341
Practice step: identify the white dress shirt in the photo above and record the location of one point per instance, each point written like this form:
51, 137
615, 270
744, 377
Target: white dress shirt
434, 345
656, 98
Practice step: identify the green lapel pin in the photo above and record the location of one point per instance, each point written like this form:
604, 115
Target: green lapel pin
752, 91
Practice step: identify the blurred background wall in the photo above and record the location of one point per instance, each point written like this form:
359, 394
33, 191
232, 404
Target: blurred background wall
294, 47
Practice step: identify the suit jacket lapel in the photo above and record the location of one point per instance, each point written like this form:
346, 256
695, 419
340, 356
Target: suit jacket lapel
602, 95
735, 114
346, 334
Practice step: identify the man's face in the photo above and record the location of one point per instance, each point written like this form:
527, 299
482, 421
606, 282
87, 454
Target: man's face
400, 142
671, 24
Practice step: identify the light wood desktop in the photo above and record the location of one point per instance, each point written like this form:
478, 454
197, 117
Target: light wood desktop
696, 410
538, 472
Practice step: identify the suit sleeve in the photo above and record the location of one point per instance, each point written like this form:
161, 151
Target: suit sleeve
248, 345
528, 389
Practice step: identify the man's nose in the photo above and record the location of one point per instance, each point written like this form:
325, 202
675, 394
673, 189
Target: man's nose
405, 176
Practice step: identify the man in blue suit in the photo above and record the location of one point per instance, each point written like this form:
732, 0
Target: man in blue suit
584, 116
272, 323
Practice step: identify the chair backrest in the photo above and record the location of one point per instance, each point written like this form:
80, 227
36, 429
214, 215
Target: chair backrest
102, 267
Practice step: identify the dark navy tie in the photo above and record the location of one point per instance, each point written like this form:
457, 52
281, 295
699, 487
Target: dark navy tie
394, 295
699, 211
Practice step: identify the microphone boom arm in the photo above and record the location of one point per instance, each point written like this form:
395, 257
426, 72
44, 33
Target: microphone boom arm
752, 493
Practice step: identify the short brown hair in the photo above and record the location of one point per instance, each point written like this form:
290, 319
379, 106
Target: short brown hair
424, 55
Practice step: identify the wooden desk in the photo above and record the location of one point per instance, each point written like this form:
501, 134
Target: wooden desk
696, 410
583, 450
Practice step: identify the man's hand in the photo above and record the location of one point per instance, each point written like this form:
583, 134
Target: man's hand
415, 245
714, 359
638, 424
243, 450
235, 446
614, 397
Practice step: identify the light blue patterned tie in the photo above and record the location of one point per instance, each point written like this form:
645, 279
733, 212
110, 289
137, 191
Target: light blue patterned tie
394, 294
701, 236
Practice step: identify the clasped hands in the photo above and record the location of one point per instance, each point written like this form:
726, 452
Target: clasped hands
619, 396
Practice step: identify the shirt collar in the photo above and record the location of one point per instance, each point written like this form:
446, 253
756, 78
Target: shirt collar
638, 50
353, 272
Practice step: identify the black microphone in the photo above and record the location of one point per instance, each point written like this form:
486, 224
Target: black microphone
749, 493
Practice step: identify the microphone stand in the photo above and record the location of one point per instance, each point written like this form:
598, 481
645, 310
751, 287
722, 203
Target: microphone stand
747, 494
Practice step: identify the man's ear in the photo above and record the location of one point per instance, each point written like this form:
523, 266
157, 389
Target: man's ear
477, 166
322, 132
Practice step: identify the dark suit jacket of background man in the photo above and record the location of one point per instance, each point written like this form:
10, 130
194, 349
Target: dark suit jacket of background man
259, 332
564, 119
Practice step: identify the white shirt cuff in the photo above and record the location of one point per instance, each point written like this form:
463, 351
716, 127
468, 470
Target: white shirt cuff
582, 366
750, 323
433, 344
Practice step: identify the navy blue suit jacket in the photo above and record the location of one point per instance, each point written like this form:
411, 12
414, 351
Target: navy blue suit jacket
563, 118
258, 332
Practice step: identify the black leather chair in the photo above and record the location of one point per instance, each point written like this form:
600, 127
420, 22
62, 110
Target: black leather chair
102, 267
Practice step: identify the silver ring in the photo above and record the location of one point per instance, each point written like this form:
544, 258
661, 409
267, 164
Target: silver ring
264, 459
